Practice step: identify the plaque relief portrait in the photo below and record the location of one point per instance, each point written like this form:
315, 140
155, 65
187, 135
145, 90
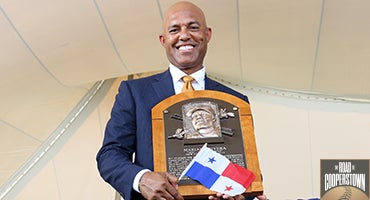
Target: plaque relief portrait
201, 120
201, 123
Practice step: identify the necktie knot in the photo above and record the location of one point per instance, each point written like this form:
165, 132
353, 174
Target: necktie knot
187, 83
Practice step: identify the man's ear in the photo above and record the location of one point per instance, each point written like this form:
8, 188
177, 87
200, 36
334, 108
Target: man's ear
209, 34
162, 40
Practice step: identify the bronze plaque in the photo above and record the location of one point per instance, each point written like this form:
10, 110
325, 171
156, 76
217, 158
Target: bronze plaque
184, 122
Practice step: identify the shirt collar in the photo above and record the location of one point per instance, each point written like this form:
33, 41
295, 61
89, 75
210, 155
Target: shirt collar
177, 74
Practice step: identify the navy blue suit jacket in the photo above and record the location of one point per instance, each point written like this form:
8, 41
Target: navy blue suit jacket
129, 130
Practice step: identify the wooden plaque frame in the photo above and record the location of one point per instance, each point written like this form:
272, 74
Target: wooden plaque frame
246, 122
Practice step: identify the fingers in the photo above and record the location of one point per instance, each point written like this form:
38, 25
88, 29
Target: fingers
155, 185
218, 196
173, 180
262, 197
239, 197
225, 196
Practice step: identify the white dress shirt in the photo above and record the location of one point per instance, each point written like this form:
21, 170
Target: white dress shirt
177, 74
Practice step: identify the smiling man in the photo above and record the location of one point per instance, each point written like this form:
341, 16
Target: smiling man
129, 130
185, 37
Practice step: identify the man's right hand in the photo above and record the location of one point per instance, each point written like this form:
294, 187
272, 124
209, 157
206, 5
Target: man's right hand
159, 185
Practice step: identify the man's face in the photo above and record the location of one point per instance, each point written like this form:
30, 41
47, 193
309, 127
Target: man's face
201, 119
185, 38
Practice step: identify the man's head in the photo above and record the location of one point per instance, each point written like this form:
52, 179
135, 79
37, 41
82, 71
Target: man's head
185, 36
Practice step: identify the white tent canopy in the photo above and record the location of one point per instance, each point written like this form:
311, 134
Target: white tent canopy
54, 53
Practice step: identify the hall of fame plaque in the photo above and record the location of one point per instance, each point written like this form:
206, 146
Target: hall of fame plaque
184, 122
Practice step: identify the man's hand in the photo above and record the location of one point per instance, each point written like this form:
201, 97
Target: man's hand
225, 196
237, 197
159, 185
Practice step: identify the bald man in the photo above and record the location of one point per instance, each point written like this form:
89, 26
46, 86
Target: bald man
129, 130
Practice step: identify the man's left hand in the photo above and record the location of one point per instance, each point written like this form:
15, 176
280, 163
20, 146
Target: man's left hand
225, 196
237, 197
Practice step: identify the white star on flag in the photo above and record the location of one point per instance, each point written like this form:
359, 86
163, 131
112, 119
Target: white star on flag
217, 173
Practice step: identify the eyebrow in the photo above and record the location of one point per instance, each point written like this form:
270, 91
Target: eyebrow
188, 24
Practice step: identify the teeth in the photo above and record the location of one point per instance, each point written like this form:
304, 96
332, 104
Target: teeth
186, 47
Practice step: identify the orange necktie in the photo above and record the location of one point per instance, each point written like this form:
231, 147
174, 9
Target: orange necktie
187, 84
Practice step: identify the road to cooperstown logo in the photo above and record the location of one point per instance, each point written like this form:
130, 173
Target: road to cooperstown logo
345, 179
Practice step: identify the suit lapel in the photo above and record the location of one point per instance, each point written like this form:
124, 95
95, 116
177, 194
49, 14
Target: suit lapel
163, 85
210, 84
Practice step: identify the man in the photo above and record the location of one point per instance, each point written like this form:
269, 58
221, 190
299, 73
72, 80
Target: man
185, 37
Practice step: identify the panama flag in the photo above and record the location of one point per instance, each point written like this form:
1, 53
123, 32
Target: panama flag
217, 173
